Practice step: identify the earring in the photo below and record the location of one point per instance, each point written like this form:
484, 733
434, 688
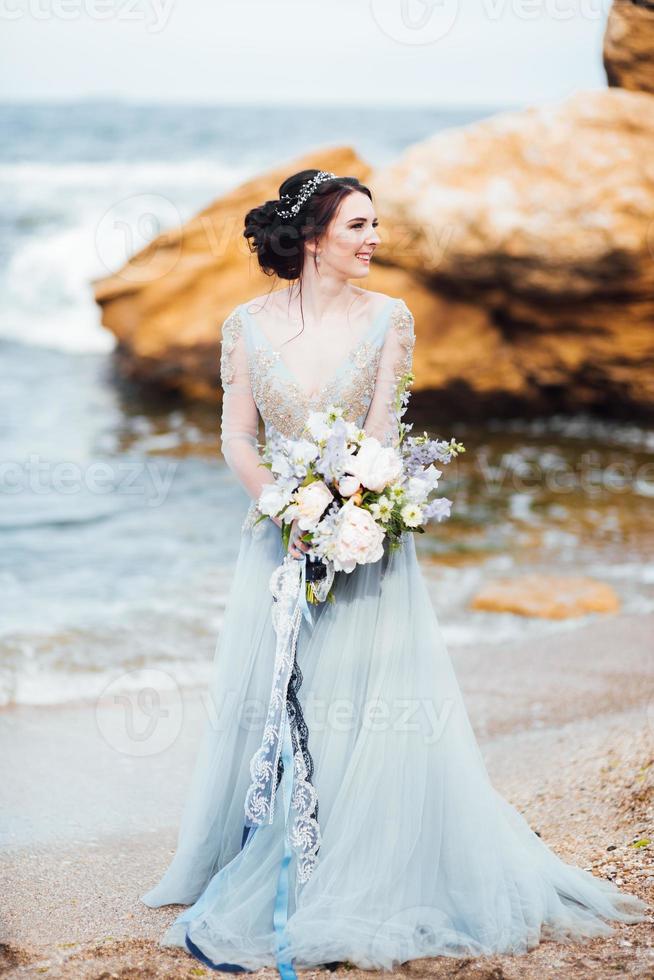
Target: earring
317, 258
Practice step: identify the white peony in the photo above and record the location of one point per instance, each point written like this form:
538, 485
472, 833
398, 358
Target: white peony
273, 498
309, 504
348, 485
375, 466
358, 540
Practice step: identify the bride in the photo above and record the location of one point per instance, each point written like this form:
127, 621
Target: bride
387, 841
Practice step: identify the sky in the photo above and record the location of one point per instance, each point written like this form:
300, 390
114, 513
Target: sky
367, 52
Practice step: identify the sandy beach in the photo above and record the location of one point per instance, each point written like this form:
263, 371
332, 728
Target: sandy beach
89, 827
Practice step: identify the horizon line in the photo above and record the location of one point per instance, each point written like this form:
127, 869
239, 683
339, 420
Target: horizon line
345, 104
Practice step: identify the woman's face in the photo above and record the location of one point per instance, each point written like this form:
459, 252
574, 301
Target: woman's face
351, 237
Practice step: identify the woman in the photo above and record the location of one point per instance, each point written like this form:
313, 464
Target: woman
387, 842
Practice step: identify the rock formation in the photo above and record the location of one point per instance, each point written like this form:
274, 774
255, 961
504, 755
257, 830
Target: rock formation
524, 244
629, 45
541, 223
546, 596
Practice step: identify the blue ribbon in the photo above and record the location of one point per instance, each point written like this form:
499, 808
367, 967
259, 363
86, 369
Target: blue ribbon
280, 912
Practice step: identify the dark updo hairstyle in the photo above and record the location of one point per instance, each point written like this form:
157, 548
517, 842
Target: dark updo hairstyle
279, 242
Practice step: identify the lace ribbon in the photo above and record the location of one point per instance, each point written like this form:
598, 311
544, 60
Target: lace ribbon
288, 587
284, 751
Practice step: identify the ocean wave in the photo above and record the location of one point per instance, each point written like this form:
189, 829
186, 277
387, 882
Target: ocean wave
67, 224
47, 297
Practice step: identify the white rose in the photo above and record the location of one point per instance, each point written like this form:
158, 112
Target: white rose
310, 504
376, 466
273, 498
358, 539
348, 485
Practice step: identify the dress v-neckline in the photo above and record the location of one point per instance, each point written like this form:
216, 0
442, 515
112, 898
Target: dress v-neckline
312, 397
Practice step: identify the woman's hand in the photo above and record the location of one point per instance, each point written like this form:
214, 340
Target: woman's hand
297, 548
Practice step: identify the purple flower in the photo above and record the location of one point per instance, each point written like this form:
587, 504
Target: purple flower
438, 509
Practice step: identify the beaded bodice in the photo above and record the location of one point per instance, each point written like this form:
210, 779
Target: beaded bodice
257, 383
281, 401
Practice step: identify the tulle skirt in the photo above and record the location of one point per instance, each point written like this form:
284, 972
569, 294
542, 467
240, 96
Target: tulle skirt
419, 855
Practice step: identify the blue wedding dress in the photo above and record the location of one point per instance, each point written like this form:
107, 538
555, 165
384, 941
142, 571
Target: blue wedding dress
401, 848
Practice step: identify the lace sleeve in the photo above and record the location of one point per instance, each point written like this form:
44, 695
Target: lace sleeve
396, 360
239, 424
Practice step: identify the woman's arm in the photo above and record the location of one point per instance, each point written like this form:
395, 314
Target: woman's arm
239, 426
396, 360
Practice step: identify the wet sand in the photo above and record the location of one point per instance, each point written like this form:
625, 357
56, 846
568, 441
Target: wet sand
566, 726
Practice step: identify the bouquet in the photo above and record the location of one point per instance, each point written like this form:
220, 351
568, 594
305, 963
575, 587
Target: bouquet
349, 493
